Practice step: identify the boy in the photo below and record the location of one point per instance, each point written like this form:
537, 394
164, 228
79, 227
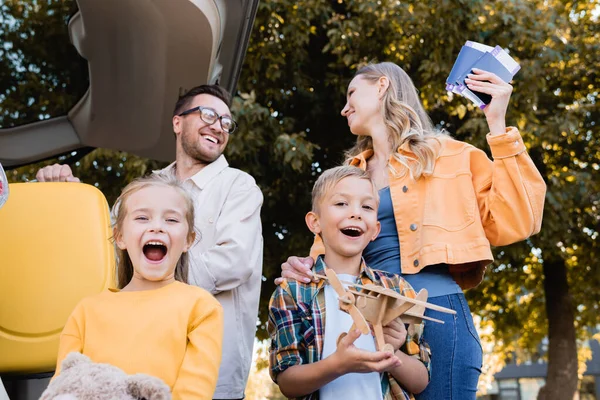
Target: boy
305, 360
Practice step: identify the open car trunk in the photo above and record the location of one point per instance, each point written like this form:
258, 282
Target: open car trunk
141, 55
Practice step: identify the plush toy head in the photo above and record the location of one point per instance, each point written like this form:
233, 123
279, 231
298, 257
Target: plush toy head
82, 379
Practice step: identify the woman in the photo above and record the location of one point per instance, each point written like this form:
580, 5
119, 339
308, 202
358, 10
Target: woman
443, 203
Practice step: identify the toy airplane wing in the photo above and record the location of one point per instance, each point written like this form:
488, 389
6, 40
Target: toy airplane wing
411, 313
392, 293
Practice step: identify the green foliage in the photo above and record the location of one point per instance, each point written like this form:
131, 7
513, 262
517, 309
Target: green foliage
301, 56
281, 163
554, 104
40, 74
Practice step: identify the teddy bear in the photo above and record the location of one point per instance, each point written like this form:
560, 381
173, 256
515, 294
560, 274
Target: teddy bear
82, 379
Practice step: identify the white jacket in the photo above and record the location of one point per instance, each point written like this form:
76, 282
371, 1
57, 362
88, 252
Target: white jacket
226, 260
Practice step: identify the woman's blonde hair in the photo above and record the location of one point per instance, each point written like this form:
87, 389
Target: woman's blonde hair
124, 265
406, 120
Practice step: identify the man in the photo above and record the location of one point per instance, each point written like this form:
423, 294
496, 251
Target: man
226, 259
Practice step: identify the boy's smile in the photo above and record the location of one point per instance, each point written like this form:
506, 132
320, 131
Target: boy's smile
352, 231
346, 218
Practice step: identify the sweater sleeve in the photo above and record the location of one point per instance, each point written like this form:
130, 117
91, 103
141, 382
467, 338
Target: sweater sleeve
71, 338
510, 191
197, 378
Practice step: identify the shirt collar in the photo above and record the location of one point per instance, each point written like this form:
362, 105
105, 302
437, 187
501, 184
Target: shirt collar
206, 174
364, 272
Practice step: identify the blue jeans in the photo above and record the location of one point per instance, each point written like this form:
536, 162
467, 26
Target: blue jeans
456, 355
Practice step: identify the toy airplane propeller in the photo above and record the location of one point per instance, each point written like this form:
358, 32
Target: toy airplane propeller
379, 306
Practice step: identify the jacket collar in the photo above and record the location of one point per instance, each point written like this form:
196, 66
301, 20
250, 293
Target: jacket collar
206, 174
361, 159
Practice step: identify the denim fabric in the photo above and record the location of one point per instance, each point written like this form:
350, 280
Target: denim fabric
384, 254
456, 354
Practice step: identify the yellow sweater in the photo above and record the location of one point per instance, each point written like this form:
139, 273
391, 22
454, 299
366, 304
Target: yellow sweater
174, 333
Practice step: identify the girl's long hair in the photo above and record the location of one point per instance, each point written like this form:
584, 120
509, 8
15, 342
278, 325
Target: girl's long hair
406, 121
124, 265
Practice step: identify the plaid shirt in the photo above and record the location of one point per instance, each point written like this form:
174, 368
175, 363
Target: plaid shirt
297, 325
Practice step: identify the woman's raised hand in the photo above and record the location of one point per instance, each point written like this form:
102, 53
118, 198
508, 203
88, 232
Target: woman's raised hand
489, 83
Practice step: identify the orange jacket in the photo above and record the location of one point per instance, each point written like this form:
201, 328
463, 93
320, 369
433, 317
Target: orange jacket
468, 204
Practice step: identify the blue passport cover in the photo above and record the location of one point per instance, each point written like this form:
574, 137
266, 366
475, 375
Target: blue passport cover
496, 61
469, 53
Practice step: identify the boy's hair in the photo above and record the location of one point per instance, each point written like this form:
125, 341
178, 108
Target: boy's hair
332, 176
124, 265
183, 103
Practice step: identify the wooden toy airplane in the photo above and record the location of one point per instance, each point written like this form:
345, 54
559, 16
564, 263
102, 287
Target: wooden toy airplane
379, 306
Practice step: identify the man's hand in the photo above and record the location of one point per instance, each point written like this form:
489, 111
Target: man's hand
394, 333
350, 358
56, 173
297, 268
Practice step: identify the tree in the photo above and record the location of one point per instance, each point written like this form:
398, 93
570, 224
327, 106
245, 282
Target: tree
301, 56
305, 52
40, 75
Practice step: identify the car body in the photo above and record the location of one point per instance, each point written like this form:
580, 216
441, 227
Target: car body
141, 55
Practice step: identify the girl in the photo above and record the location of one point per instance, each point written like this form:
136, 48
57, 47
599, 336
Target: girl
443, 203
154, 323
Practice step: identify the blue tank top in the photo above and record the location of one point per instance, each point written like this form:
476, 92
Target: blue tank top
384, 254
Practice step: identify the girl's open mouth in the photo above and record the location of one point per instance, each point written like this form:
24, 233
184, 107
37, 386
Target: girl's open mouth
155, 251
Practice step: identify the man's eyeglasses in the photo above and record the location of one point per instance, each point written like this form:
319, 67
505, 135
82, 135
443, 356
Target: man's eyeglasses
210, 116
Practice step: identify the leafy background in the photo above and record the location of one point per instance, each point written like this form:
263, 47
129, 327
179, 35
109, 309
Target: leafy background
540, 298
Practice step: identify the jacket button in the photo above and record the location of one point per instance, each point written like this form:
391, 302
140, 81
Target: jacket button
405, 189
416, 263
210, 221
413, 227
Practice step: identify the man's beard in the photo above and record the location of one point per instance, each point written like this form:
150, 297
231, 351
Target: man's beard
194, 150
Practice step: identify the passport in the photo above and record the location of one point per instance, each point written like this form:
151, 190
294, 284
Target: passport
487, 58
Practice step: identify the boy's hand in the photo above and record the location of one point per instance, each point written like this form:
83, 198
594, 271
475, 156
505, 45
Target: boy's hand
394, 333
352, 359
297, 268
